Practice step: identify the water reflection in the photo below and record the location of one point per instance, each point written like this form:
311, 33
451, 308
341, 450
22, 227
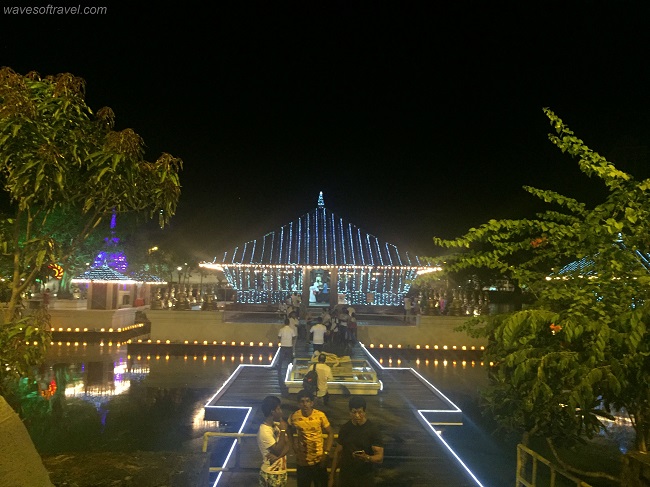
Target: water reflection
129, 391
461, 376
155, 402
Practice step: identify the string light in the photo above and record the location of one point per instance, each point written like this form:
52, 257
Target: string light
268, 271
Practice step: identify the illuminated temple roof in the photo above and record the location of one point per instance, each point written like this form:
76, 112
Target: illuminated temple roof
319, 238
106, 274
101, 274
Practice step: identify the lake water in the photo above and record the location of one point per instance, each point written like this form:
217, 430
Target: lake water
158, 405
155, 403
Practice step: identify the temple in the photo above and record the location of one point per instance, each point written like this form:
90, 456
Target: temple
322, 258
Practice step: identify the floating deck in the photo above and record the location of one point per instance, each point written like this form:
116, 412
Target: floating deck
411, 412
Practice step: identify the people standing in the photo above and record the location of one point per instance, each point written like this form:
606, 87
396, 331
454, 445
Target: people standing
325, 293
307, 426
326, 318
324, 372
294, 323
287, 341
317, 332
334, 327
359, 447
273, 443
352, 329
407, 308
313, 292
416, 311
343, 325
296, 300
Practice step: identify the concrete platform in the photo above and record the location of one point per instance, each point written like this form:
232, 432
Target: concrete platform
411, 413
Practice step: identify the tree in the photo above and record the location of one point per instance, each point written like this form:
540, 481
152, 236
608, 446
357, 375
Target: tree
59, 157
64, 225
582, 350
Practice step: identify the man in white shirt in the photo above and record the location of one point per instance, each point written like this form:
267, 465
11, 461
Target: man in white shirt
274, 444
294, 323
324, 372
318, 336
287, 338
295, 302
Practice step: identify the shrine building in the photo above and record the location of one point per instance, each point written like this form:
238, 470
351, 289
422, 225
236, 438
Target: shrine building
323, 259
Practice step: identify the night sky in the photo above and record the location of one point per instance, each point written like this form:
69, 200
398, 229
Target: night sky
416, 119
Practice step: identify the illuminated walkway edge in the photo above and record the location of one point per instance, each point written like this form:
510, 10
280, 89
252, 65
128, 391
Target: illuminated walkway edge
428, 418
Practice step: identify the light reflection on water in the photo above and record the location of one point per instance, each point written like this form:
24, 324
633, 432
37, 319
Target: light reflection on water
183, 384
461, 381
99, 374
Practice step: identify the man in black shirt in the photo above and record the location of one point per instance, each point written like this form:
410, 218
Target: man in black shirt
360, 446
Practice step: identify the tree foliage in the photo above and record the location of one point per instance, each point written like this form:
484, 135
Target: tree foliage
582, 350
57, 158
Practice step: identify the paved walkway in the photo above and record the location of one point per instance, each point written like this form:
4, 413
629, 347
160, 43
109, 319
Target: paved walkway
415, 457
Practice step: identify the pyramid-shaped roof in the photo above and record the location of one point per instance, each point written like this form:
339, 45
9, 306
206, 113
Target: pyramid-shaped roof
102, 274
147, 278
319, 238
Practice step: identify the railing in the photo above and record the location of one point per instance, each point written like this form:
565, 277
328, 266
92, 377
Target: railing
274, 316
235, 316
236, 450
529, 475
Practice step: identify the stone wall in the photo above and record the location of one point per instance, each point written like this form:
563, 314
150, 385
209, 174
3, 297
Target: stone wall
178, 326
431, 330
93, 319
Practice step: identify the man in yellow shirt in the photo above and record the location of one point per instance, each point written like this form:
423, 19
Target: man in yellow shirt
306, 427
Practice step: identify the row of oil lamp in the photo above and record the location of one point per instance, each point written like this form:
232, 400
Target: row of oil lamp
271, 344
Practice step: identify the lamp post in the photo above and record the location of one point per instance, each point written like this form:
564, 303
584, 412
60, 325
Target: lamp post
179, 293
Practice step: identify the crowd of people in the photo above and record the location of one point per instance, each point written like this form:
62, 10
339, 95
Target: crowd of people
340, 323
359, 447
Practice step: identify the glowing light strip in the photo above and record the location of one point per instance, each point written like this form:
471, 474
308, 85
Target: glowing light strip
226, 384
332, 226
316, 237
420, 412
342, 239
353, 255
209, 265
107, 281
307, 246
299, 239
218, 394
272, 247
363, 257
234, 441
290, 244
436, 435
324, 255
370, 248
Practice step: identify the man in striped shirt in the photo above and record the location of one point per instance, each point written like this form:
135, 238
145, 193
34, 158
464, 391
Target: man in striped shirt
273, 443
